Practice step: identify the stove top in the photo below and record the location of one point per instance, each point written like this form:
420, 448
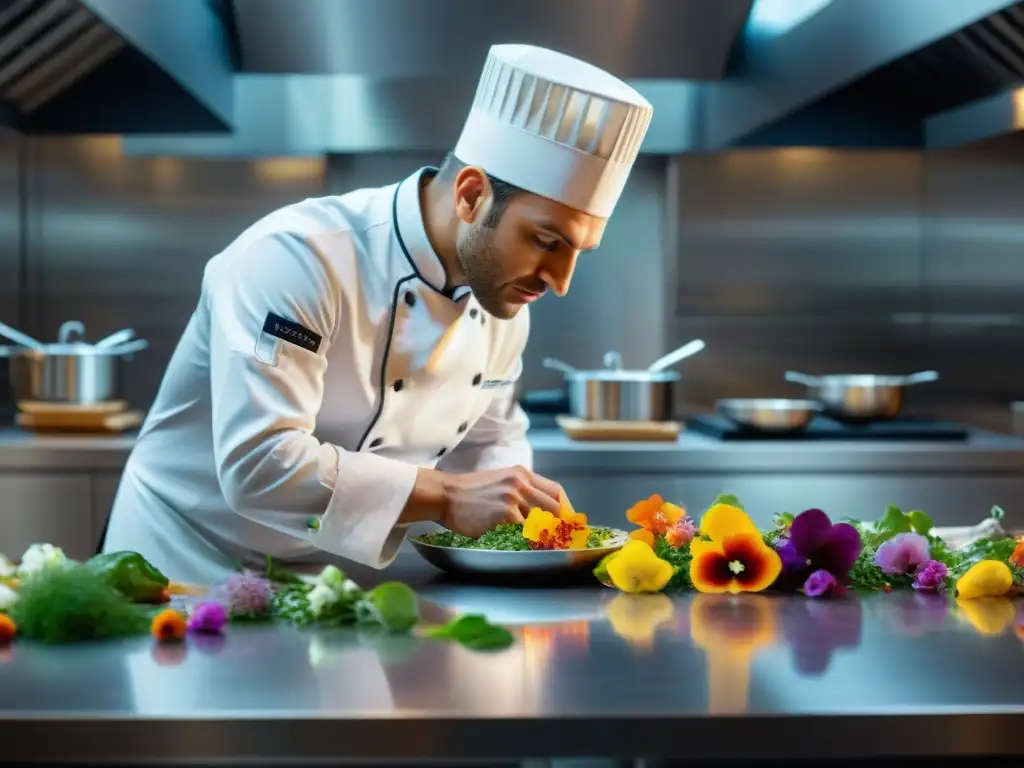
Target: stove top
823, 428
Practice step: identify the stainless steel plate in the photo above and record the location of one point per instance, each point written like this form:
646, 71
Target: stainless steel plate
534, 563
769, 415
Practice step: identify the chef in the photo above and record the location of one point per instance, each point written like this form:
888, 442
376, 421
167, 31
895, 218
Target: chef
349, 368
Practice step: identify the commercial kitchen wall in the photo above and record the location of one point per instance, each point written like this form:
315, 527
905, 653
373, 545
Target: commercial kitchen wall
807, 259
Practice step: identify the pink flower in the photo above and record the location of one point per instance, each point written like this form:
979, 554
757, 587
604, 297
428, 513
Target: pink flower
931, 575
902, 553
821, 583
246, 594
682, 533
208, 618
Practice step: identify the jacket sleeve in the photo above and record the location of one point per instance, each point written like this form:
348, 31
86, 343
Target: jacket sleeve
266, 392
498, 438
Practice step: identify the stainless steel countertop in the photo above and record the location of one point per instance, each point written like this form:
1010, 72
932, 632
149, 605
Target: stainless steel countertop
554, 452
593, 673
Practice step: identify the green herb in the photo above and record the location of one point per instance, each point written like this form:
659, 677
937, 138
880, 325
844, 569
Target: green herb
291, 604
507, 537
393, 605
678, 559
473, 631
131, 575
728, 498
281, 575
74, 604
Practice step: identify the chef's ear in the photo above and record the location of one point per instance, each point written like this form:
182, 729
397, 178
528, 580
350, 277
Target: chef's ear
472, 190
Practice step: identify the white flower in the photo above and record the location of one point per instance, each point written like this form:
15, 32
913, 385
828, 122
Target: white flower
320, 598
331, 577
39, 558
8, 597
350, 589
7, 568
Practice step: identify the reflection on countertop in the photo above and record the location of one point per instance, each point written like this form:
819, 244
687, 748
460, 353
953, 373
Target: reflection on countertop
644, 663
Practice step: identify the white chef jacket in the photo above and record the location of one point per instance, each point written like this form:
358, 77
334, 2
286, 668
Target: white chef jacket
324, 363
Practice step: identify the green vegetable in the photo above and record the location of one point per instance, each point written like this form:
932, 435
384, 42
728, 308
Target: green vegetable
728, 498
131, 575
473, 631
280, 575
920, 522
393, 605
678, 559
75, 604
507, 537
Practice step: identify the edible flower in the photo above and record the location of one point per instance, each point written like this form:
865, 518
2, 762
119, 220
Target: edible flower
246, 594
567, 530
39, 558
902, 554
731, 556
8, 629
635, 568
168, 626
986, 578
8, 597
931, 576
821, 583
682, 533
654, 516
813, 543
208, 618
1016, 559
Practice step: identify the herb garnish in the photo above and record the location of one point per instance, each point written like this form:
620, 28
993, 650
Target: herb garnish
507, 537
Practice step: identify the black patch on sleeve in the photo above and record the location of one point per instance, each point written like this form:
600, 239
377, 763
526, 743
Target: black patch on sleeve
292, 332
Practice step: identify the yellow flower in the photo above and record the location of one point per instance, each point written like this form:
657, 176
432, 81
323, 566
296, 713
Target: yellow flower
987, 578
736, 559
635, 568
642, 534
538, 523
567, 530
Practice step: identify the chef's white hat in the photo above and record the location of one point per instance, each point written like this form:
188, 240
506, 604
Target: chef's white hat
555, 126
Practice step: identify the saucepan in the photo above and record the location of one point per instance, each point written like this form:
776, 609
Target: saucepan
70, 371
613, 393
769, 415
861, 396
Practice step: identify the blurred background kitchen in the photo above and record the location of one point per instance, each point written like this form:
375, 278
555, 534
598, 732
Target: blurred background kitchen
830, 186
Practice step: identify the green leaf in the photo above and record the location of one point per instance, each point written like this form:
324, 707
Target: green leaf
728, 498
998, 513
394, 605
894, 521
919, 522
473, 631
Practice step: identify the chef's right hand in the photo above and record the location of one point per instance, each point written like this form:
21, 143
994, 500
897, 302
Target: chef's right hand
477, 502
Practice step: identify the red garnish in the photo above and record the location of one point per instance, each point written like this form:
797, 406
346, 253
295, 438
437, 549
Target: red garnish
562, 538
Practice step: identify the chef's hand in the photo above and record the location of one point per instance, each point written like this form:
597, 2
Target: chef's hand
477, 502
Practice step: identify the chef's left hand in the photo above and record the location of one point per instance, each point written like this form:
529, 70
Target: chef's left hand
477, 502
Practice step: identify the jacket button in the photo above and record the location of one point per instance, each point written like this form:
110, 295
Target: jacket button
397, 386
376, 443
442, 452
410, 298
463, 427
481, 319
477, 379
473, 312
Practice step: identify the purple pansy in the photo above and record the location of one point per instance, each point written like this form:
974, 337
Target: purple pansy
902, 553
816, 544
931, 575
819, 584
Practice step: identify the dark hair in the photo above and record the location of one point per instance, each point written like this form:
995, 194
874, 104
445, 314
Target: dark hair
503, 192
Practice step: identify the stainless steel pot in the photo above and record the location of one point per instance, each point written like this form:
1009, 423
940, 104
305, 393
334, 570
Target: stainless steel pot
67, 372
862, 396
770, 415
616, 394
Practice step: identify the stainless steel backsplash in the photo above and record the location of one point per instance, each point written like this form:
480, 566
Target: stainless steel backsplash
817, 260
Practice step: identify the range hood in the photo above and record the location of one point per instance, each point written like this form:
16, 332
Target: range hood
114, 66
870, 72
378, 39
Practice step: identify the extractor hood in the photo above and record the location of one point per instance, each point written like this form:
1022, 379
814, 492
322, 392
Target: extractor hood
114, 66
378, 39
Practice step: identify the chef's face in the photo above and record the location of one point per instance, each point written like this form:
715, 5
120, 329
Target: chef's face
511, 257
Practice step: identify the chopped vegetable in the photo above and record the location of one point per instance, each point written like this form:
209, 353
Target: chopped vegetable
131, 575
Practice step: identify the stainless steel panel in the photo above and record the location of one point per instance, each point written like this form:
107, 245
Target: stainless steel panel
52, 508
795, 258
616, 300
118, 241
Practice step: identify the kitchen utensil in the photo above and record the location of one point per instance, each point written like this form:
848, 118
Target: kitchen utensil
619, 431
861, 396
528, 563
774, 415
685, 351
19, 338
115, 339
616, 394
72, 372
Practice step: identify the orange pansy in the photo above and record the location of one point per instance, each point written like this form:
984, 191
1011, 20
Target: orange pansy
654, 514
